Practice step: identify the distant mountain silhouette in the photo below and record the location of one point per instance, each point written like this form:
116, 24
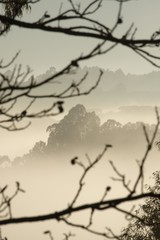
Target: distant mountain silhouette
119, 98
116, 89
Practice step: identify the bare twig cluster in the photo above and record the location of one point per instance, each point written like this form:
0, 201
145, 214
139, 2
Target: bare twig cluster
21, 86
67, 236
86, 25
6, 201
134, 191
79, 21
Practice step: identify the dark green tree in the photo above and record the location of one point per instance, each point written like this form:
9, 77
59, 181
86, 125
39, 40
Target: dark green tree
82, 23
147, 224
13, 9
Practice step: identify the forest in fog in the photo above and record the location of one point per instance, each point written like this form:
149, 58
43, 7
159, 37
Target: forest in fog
124, 98
47, 171
79, 120
81, 131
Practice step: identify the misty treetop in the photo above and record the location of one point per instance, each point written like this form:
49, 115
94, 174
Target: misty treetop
75, 128
81, 131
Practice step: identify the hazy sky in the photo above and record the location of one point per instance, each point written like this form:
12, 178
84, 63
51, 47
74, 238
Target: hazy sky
41, 50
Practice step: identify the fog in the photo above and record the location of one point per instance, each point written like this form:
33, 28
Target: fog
40, 159
51, 184
119, 96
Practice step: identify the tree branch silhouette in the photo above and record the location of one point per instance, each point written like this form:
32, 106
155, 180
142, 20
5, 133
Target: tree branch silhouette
76, 21
134, 193
86, 26
20, 85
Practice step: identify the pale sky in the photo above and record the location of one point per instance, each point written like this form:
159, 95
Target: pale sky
41, 50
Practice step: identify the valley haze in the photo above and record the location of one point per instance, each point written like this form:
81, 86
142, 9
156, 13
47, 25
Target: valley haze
40, 156
122, 97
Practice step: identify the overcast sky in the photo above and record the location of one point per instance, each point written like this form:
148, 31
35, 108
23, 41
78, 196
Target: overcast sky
41, 50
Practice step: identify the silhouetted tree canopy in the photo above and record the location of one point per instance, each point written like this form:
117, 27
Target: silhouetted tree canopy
77, 18
13, 9
147, 226
80, 127
81, 131
75, 128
